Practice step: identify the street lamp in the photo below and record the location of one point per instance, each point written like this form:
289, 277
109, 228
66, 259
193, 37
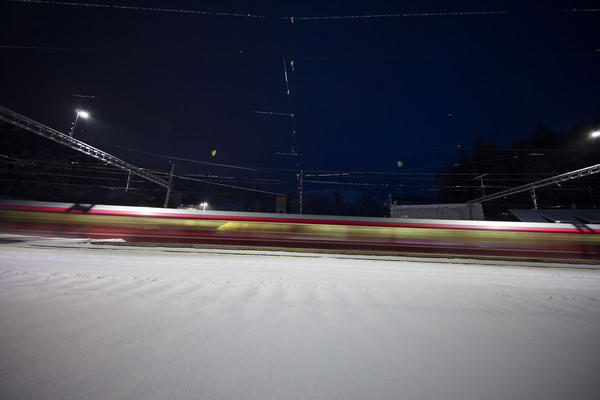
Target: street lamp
82, 114
203, 205
595, 134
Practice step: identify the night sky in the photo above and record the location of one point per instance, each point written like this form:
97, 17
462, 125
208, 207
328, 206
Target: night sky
370, 83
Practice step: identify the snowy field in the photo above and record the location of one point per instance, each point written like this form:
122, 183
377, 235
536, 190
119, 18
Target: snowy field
84, 321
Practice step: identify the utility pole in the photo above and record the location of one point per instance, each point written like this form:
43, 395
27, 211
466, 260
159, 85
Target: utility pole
301, 187
533, 198
128, 180
480, 177
170, 184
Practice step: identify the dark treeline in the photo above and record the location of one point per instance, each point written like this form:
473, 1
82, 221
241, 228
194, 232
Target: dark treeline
35, 168
486, 169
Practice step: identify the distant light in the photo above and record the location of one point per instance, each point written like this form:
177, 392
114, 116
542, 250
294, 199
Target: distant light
203, 205
595, 134
84, 114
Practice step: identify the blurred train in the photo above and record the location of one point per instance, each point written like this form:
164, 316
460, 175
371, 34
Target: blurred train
506, 240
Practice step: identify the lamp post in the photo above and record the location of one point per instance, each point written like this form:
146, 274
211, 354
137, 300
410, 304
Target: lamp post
82, 114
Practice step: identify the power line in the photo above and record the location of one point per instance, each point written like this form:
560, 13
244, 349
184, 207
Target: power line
141, 8
227, 185
582, 10
185, 159
396, 15
308, 173
292, 19
257, 16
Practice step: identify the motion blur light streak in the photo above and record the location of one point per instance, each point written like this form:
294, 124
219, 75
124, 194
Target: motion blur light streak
541, 241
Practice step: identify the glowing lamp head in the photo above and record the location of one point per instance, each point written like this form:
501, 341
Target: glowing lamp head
595, 134
83, 114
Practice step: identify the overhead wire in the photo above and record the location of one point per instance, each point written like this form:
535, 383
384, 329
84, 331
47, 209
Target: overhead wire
462, 13
399, 15
352, 174
228, 186
171, 157
292, 19
140, 8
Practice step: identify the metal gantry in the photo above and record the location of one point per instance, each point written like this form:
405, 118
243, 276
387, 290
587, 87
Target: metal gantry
32, 126
594, 169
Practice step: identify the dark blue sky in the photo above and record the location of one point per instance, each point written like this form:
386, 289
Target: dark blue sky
409, 81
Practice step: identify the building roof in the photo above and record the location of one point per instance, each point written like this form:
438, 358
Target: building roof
576, 216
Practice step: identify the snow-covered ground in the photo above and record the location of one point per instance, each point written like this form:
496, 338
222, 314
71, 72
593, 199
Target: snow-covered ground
83, 321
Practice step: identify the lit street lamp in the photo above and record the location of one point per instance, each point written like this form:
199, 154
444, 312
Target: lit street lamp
595, 134
82, 114
203, 205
